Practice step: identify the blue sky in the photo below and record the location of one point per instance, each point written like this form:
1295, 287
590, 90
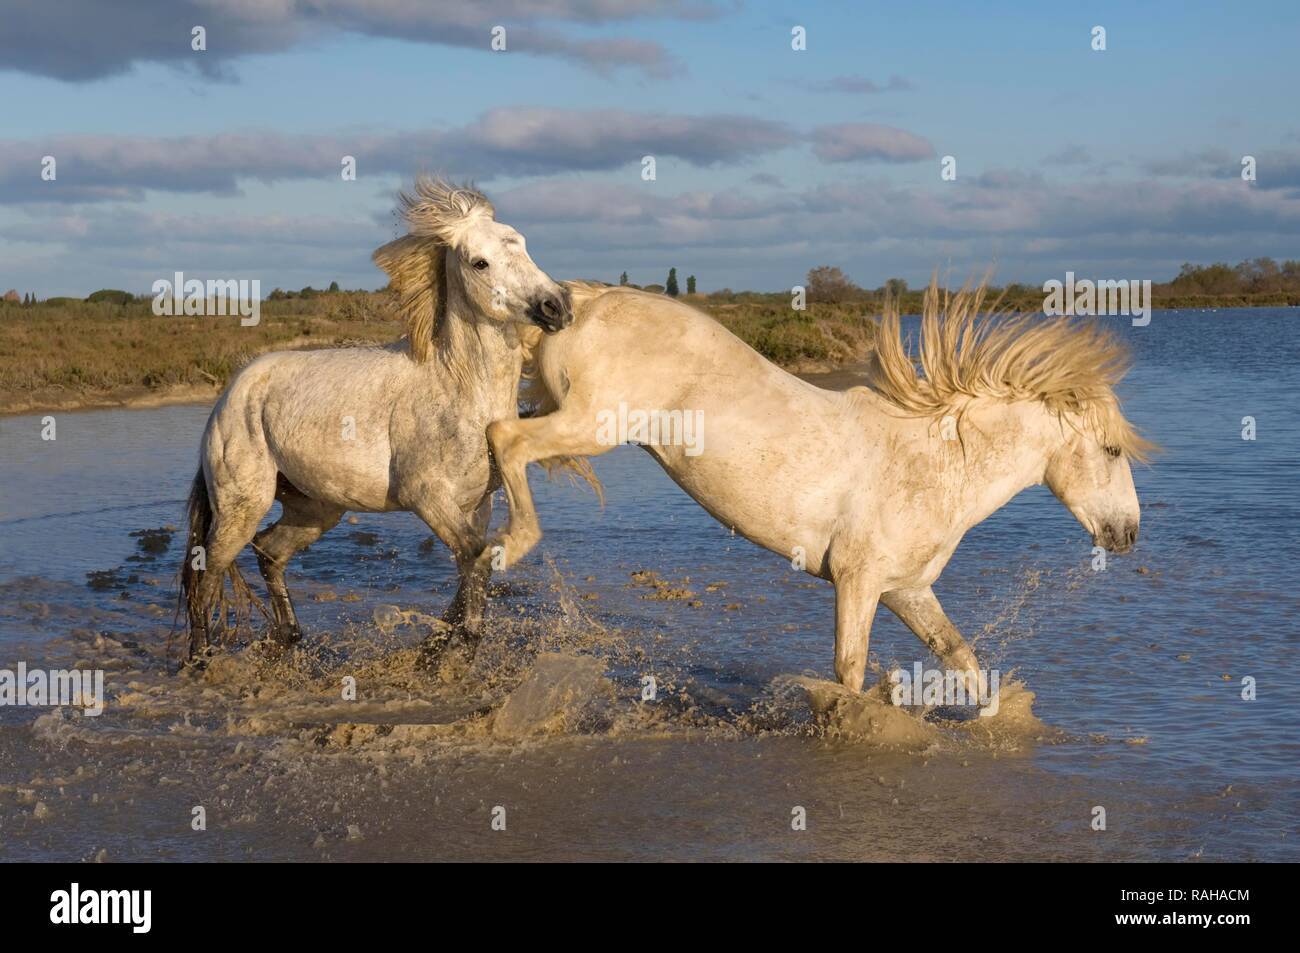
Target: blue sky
225, 163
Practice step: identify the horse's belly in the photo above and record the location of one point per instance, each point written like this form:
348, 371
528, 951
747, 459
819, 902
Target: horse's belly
791, 523
349, 487
354, 476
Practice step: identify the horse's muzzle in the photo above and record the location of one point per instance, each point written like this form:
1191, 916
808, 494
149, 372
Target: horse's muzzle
1117, 539
551, 313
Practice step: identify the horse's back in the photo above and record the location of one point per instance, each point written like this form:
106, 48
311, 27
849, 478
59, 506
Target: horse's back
651, 345
319, 417
754, 427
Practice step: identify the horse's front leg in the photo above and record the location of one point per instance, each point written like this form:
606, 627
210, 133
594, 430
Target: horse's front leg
470, 602
464, 538
855, 607
921, 612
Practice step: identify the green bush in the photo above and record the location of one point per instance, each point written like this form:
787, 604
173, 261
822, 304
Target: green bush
112, 296
791, 341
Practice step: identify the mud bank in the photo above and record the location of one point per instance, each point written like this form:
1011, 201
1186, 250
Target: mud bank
132, 398
135, 397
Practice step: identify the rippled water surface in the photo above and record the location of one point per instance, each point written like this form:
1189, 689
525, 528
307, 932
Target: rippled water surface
1137, 671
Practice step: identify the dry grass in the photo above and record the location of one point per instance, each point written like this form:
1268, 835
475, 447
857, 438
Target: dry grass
64, 352
819, 338
73, 353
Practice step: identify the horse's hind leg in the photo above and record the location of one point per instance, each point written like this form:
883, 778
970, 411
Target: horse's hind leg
302, 521
921, 612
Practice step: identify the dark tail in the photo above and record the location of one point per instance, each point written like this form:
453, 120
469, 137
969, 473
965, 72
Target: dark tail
199, 521
189, 602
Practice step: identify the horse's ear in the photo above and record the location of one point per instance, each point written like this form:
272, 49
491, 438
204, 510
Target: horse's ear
415, 264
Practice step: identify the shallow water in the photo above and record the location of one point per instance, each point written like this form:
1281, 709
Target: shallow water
1137, 671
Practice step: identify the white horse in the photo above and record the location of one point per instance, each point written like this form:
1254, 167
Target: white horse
871, 488
376, 428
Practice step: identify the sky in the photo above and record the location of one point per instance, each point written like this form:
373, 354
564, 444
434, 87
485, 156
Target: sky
226, 162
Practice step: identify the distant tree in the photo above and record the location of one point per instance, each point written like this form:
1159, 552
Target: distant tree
111, 295
654, 289
622, 279
670, 286
690, 284
1219, 278
895, 287
334, 286
828, 284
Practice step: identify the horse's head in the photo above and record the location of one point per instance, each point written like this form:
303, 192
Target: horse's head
1090, 474
1060, 374
458, 252
496, 276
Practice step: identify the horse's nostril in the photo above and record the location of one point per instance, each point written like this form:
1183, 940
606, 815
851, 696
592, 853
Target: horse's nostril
551, 308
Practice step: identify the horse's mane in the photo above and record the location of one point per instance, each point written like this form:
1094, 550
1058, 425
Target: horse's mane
441, 209
967, 350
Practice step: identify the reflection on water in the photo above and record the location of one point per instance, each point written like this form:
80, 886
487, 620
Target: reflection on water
1140, 668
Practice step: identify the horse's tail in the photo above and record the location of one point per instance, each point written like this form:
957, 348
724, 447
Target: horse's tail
198, 524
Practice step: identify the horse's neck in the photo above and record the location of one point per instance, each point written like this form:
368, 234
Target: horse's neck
1006, 449
483, 357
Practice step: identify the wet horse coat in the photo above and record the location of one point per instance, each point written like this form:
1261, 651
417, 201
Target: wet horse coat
871, 488
401, 427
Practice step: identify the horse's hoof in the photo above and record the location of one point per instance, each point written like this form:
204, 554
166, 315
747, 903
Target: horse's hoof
271, 648
286, 634
456, 647
196, 662
430, 653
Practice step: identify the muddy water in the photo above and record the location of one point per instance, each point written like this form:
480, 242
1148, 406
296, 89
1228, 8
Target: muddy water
1136, 672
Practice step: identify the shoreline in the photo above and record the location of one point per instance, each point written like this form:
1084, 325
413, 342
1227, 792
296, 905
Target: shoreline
135, 397
138, 397
830, 374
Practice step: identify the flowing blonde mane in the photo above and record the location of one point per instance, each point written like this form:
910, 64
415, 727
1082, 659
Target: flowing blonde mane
968, 351
436, 213
440, 209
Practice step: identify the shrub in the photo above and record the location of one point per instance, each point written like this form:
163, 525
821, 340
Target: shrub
112, 296
828, 285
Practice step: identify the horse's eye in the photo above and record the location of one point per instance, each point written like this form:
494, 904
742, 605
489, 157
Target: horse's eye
480, 264
1113, 451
